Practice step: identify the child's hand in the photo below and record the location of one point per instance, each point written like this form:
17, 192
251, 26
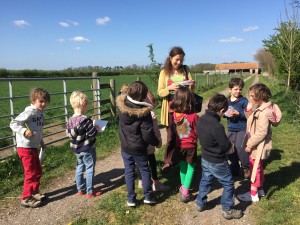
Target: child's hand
247, 149
97, 127
235, 113
29, 134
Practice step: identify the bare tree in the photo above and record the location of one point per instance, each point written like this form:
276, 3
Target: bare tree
266, 61
288, 40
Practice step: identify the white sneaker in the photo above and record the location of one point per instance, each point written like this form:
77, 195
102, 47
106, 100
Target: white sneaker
160, 187
149, 201
247, 197
131, 204
261, 193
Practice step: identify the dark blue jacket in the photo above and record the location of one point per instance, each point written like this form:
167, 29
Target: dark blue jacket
136, 126
238, 123
212, 138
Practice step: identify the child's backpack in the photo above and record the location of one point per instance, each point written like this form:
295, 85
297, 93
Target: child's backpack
274, 114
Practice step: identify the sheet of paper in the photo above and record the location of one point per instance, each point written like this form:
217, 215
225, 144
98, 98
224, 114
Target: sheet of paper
186, 83
101, 123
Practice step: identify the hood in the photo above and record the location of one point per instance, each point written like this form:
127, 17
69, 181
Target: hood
179, 117
131, 107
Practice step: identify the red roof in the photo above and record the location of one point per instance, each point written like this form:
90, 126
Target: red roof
232, 66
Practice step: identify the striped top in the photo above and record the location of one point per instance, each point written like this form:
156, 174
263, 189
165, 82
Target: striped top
82, 132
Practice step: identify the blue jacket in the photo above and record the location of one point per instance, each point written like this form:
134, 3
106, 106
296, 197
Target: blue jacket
238, 123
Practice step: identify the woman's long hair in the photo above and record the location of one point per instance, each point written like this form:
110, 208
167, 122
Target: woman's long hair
174, 51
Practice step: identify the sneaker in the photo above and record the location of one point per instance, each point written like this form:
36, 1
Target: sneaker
247, 197
39, 197
94, 194
232, 214
185, 198
149, 201
261, 193
131, 204
247, 173
30, 202
83, 192
200, 208
140, 184
159, 187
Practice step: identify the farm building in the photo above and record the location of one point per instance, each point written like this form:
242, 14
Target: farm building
227, 68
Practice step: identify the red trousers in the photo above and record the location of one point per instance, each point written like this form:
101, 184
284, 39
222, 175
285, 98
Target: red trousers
32, 170
260, 176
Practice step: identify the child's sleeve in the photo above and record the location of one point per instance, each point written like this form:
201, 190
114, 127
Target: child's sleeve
147, 131
244, 106
222, 139
90, 128
156, 129
18, 124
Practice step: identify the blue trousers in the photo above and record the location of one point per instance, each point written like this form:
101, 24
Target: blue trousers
85, 163
142, 163
221, 171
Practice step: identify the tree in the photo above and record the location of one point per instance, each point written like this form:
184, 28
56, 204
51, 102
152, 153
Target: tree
285, 43
266, 61
155, 67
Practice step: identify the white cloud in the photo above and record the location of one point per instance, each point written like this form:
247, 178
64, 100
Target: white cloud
68, 23
21, 23
79, 39
231, 40
250, 28
64, 24
77, 48
103, 21
61, 40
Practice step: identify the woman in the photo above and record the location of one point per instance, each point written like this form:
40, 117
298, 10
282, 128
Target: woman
171, 76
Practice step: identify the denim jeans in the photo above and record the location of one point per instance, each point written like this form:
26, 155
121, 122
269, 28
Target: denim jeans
221, 171
85, 163
129, 164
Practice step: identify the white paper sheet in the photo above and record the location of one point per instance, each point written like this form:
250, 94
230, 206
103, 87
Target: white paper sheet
101, 123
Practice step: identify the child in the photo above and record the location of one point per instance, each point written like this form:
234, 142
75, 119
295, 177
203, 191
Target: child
136, 133
186, 137
156, 185
83, 133
237, 121
215, 145
262, 114
28, 127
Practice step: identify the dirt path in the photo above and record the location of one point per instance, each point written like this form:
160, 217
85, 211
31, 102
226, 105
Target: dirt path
64, 205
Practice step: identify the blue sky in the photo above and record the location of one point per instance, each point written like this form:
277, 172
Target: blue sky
57, 34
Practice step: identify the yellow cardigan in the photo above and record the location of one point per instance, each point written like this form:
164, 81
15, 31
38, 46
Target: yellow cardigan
163, 92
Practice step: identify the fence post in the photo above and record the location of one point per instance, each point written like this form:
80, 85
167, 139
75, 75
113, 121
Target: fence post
96, 96
12, 111
113, 97
138, 79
